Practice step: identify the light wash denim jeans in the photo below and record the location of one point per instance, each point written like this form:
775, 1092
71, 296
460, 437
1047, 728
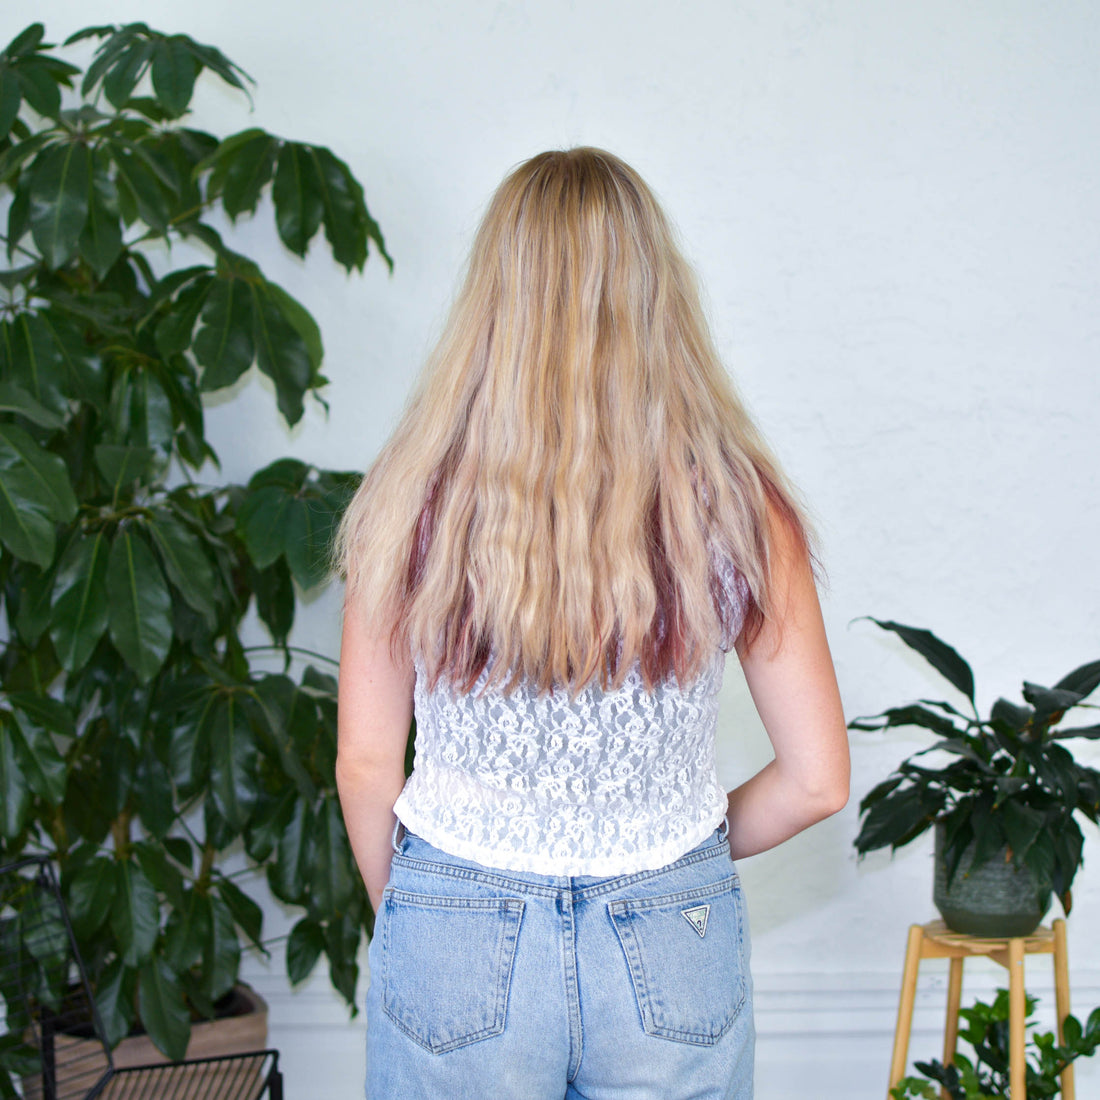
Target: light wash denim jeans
502, 985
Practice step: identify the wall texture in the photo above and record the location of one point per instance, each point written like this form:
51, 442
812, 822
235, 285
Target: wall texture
895, 209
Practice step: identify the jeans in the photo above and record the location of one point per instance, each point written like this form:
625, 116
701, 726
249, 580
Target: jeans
503, 985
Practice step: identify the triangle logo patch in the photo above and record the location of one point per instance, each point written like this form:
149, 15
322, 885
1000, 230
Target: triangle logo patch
697, 918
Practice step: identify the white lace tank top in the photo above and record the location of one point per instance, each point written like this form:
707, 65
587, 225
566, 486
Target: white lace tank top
608, 783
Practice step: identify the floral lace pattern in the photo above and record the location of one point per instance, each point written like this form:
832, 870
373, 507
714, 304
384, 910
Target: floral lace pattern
608, 783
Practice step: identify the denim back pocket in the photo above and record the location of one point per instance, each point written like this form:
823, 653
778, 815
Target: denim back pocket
447, 966
686, 958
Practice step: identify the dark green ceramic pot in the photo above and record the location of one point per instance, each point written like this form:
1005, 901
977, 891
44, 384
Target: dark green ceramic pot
996, 900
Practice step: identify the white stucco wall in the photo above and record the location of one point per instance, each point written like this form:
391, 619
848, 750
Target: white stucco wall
895, 208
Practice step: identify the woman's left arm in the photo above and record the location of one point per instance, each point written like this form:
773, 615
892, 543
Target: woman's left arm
790, 675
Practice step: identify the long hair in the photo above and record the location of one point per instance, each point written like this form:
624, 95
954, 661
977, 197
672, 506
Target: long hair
575, 467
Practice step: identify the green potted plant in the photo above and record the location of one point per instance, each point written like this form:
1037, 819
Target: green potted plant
985, 1028
142, 743
1003, 792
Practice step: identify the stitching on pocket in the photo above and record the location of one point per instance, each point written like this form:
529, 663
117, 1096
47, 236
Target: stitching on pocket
447, 966
688, 988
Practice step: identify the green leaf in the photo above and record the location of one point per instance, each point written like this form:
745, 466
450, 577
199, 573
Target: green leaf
41, 764
188, 931
330, 872
163, 1009
140, 410
912, 715
34, 495
59, 200
274, 591
14, 399
297, 192
174, 330
261, 521
1083, 680
224, 345
91, 896
11, 98
301, 319
121, 465
185, 563
303, 949
243, 165
15, 793
293, 856
140, 191
233, 779
46, 472
282, 355
135, 914
35, 597
174, 73
100, 243
153, 794
80, 607
945, 660
125, 72
40, 90
344, 214
308, 537
247, 914
114, 1000
140, 605
221, 960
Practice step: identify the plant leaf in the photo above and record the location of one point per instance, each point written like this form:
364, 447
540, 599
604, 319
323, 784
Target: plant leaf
15, 792
100, 242
91, 896
80, 608
135, 914
297, 192
224, 345
282, 355
303, 949
330, 874
163, 1009
247, 914
140, 605
174, 71
185, 563
14, 399
58, 181
46, 472
261, 522
233, 778
1083, 680
942, 657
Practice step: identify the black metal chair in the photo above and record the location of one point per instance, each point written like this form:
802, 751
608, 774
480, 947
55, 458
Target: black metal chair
52, 1046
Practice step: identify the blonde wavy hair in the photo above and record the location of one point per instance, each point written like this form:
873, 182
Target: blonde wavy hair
558, 498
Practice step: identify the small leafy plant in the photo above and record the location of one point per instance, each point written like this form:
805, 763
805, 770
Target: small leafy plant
987, 1073
1008, 779
142, 743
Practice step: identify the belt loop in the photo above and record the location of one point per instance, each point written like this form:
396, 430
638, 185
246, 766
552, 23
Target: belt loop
724, 829
397, 844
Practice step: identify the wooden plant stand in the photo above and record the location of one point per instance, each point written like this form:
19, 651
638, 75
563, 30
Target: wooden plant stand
936, 941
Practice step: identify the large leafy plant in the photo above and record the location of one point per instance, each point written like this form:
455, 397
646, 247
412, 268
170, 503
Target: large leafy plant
1003, 780
141, 742
986, 1074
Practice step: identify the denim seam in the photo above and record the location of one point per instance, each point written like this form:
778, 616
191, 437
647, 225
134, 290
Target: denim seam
579, 892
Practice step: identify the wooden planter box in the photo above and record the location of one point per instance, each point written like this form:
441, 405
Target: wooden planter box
81, 1062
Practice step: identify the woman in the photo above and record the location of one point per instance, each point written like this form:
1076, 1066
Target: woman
573, 523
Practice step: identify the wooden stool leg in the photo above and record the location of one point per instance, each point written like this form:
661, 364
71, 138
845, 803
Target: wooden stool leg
951, 1027
1017, 1076
1061, 999
905, 1005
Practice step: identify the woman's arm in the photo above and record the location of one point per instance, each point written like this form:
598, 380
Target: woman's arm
375, 711
790, 676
